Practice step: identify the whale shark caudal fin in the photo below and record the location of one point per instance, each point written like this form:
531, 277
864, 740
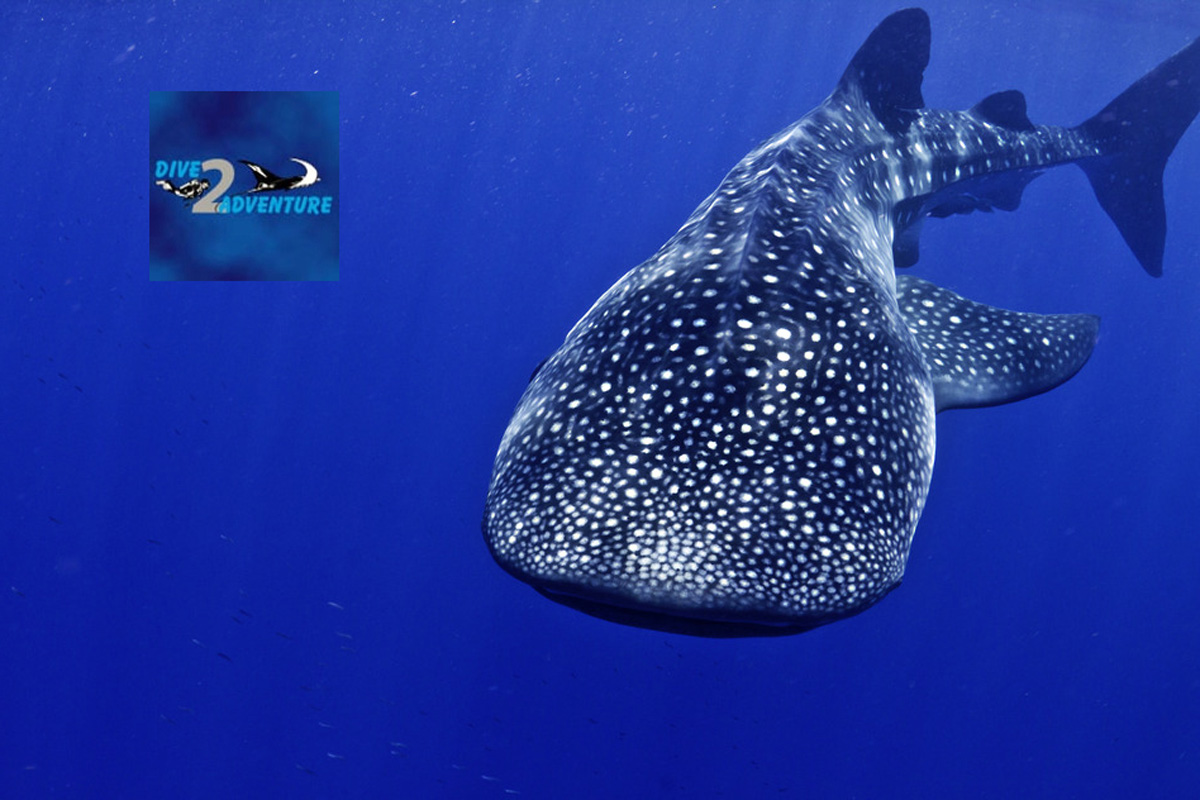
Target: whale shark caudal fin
1137, 132
983, 356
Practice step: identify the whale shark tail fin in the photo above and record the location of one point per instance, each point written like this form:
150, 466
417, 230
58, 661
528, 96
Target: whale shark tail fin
1136, 133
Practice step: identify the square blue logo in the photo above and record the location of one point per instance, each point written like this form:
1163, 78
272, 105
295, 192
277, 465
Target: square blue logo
244, 186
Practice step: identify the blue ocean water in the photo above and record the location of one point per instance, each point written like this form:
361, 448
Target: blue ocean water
239, 543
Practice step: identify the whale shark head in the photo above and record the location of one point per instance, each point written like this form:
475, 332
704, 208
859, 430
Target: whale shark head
752, 463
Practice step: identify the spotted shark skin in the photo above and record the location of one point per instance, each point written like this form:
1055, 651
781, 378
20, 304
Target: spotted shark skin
737, 439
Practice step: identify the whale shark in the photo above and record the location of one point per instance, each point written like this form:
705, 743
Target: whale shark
737, 438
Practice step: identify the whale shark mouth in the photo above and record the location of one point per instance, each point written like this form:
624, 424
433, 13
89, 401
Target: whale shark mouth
713, 625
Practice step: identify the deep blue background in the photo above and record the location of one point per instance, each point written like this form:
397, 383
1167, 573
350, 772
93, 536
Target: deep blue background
239, 529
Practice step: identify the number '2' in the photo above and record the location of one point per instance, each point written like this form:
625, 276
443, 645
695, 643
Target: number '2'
208, 203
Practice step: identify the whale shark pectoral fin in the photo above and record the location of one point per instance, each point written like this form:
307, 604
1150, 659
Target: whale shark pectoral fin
889, 67
983, 356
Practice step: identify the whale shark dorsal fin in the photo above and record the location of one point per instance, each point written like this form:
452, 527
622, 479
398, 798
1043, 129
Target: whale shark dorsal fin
983, 356
1006, 109
887, 70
